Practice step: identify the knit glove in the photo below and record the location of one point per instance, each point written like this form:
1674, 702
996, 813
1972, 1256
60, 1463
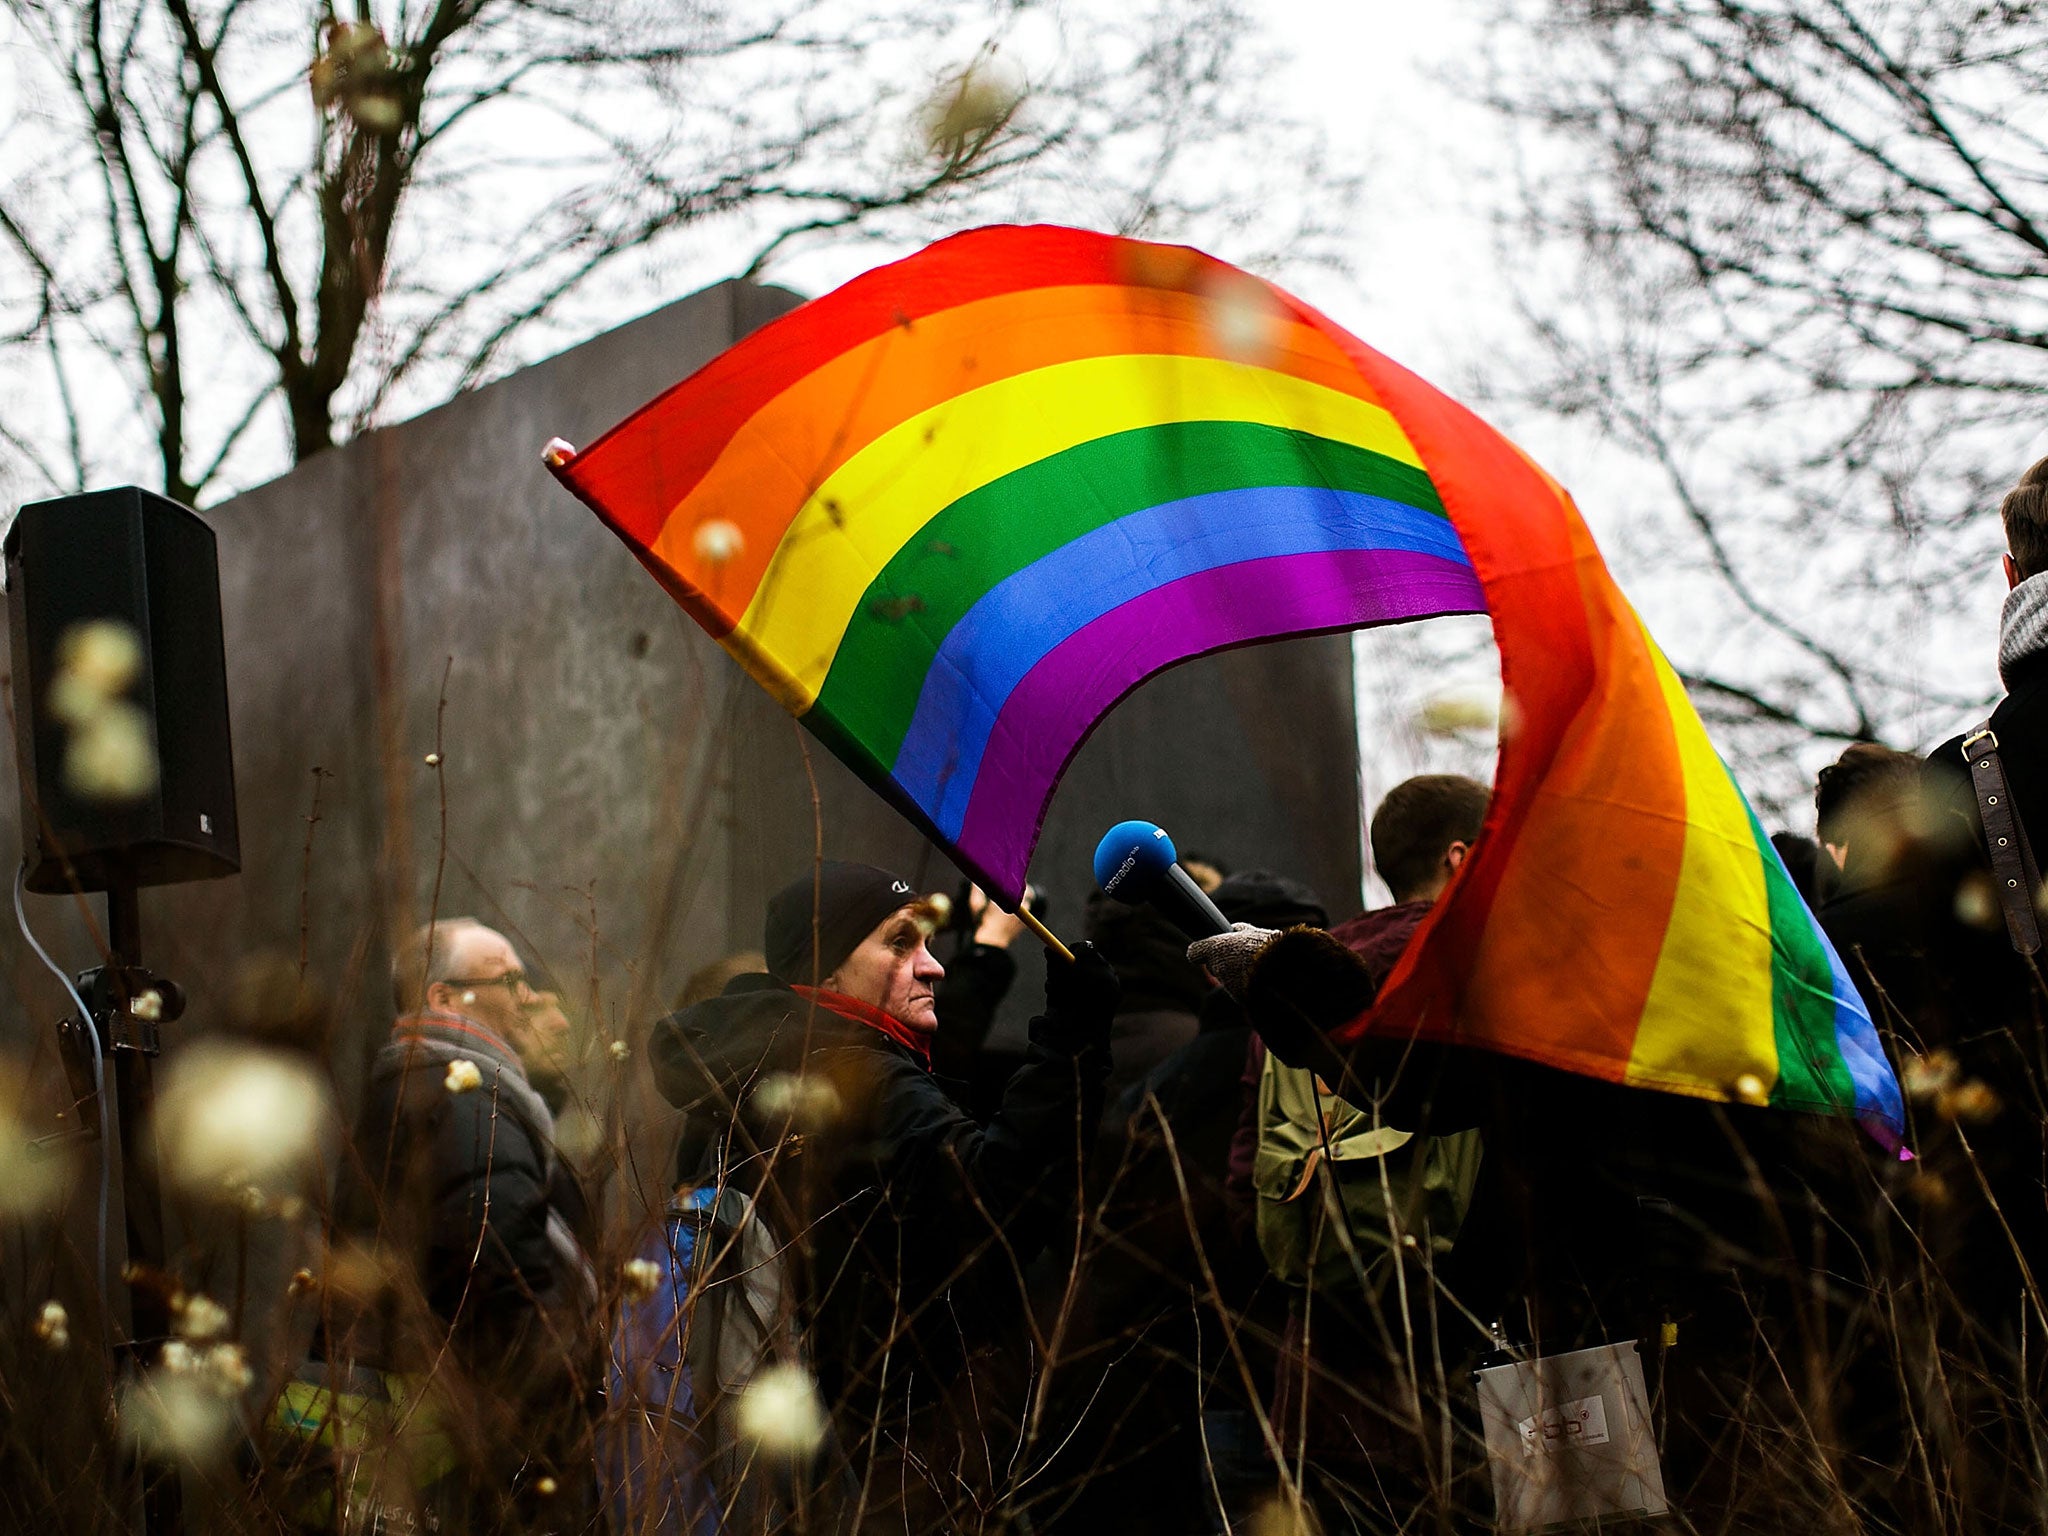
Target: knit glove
1229, 957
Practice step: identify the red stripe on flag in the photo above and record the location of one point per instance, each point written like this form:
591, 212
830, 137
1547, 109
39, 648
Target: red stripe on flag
636, 474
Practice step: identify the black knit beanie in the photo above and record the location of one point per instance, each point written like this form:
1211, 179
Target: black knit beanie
850, 899
1267, 900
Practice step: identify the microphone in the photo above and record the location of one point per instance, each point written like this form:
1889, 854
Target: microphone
1136, 862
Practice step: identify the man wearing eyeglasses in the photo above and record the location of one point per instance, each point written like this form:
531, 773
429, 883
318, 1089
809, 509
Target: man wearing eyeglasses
491, 992
453, 1184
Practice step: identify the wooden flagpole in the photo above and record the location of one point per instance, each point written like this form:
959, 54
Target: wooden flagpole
1050, 939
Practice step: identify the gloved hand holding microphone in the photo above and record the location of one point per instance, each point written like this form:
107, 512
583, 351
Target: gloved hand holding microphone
1322, 984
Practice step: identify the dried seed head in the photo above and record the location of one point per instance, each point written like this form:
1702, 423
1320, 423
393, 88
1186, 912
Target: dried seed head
969, 109
29, 1182
1976, 902
111, 756
175, 1414
53, 1325
717, 541
1457, 711
225, 1368
102, 656
1244, 318
1280, 1517
1929, 1076
781, 1412
463, 1076
812, 1103
642, 1278
231, 1117
199, 1317
1973, 1102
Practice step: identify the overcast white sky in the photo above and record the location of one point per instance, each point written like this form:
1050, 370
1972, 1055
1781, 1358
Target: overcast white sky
1426, 291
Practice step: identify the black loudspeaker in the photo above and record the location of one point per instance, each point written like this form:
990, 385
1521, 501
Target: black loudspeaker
148, 565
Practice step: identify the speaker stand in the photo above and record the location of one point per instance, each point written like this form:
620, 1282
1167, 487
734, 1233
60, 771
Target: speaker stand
134, 1043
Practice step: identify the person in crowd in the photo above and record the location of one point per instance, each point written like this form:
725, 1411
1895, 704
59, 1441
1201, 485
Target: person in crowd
977, 979
1976, 1071
453, 1185
2020, 721
1198, 1087
1798, 854
1420, 837
1868, 813
1866, 802
1338, 1188
907, 1226
1162, 992
1164, 1232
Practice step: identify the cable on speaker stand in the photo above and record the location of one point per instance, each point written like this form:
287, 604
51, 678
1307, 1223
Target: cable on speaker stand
102, 1088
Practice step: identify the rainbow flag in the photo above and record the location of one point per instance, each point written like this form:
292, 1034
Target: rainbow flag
954, 511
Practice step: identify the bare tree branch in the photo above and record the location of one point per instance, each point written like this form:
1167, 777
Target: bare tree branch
1808, 293
374, 224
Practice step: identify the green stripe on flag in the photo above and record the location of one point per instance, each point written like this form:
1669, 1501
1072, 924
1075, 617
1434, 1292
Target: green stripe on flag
878, 672
1811, 1072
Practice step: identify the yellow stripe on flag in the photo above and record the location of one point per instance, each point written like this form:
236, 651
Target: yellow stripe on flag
879, 499
1707, 1018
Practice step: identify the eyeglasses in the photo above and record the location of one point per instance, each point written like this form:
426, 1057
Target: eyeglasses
514, 982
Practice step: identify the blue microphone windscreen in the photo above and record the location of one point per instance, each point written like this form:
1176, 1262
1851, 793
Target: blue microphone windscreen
1132, 857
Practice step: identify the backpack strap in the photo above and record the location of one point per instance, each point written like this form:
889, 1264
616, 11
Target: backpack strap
2013, 869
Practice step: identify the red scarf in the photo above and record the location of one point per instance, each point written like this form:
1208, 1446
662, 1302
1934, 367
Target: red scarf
916, 1042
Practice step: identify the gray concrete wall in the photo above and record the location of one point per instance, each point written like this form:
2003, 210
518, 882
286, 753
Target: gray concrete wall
613, 791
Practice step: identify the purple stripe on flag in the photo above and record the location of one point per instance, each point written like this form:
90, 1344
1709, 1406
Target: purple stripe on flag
1047, 715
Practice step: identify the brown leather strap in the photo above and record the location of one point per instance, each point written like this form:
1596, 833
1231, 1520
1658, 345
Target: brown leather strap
2012, 861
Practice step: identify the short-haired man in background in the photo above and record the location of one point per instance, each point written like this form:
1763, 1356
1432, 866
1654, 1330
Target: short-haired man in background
453, 1188
1342, 1194
1420, 836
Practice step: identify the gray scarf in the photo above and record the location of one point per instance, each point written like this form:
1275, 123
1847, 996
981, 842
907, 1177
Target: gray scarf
2023, 625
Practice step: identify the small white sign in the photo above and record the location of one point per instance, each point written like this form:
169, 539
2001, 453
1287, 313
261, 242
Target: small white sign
205, 822
1581, 1422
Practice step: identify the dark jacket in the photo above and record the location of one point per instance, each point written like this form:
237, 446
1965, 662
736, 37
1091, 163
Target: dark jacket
2021, 724
1162, 989
1968, 978
977, 980
909, 1222
465, 1188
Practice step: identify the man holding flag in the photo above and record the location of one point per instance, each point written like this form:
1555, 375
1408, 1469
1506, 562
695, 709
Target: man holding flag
810, 1088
